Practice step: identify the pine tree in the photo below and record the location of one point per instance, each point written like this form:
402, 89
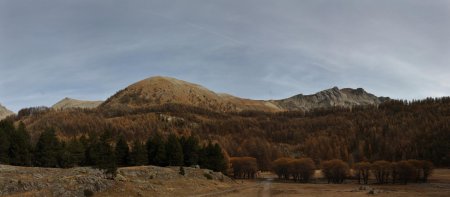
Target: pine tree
91, 156
47, 149
64, 157
174, 151
139, 154
105, 158
150, 150
76, 149
156, 150
20, 146
213, 158
191, 150
122, 152
4, 147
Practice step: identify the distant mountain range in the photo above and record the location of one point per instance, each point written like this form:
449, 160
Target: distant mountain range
4, 112
161, 90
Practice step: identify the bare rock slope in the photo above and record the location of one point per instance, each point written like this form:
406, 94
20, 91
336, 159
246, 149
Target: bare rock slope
333, 97
67, 103
4, 112
160, 90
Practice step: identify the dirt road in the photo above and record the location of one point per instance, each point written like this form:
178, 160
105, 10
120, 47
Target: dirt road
266, 189
261, 188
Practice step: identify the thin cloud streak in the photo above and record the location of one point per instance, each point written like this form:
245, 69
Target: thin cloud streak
256, 49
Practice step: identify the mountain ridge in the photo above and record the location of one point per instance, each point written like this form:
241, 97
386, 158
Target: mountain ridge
160, 90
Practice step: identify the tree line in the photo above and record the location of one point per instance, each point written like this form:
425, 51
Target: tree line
105, 151
336, 170
391, 131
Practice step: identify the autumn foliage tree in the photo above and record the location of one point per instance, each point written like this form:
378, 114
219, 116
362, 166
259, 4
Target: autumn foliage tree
382, 171
302, 169
335, 171
299, 169
281, 167
362, 170
244, 167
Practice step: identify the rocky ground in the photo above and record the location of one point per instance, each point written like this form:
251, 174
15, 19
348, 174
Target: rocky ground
130, 181
167, 181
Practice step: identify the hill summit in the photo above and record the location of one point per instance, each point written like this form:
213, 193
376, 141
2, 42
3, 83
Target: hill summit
161, 90
67, 103
4, 112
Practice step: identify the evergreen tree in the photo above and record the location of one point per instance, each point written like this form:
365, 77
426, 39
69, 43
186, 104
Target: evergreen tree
105, 158
4, 146
174, 151
139, 154
150, 150
76, 151
20, 146
47, 149
64, 157
213, 158
191, 150
91, 156
156, 150
122, 152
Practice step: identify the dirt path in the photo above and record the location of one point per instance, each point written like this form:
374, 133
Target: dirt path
263, 192
266, 189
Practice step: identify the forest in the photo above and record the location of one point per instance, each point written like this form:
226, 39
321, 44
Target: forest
393, 131
105, 151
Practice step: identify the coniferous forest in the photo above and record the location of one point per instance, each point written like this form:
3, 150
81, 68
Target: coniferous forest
392, 131
104, 151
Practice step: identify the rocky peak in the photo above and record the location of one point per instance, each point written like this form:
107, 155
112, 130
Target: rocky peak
332, 97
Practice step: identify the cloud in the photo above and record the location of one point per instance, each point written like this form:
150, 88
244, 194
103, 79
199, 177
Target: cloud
256, 48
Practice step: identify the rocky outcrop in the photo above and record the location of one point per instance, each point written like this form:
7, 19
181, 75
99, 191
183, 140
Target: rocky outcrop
4, 112
130, 181
51, 181
68, 103
333, 97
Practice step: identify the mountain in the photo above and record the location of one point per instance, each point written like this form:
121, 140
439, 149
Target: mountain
161, 90
333, 97
74, 103
4, 112
389, 130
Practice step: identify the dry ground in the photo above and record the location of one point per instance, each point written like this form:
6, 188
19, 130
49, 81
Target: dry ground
158, 181
439, 186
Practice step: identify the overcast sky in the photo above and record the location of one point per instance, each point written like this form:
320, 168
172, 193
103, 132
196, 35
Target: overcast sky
257, 49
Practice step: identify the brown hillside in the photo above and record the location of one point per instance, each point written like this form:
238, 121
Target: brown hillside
161, 90
67, 103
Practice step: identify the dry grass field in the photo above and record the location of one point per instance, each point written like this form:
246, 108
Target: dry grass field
439, 185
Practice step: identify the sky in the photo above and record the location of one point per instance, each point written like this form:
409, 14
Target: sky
255, 49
